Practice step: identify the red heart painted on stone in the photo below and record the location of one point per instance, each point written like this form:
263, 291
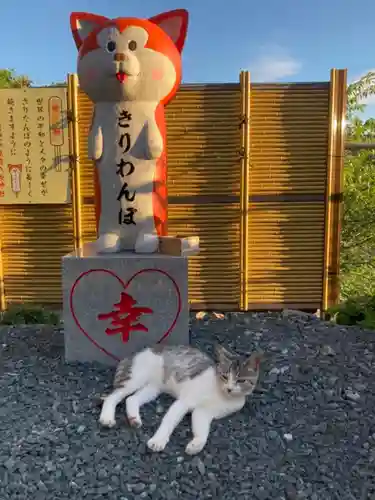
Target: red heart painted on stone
124, 286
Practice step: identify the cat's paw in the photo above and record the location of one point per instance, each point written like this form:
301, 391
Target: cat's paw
107, 421
195, 446
157, 443
135, 422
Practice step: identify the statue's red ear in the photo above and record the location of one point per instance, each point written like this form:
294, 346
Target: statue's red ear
174, 23
83, 23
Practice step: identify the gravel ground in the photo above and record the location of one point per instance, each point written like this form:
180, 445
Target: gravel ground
308, 432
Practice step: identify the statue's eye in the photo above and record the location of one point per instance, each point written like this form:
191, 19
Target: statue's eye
111, 46
241, 381
224, 377
132, 45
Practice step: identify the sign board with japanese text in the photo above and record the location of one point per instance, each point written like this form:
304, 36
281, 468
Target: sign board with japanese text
34, 146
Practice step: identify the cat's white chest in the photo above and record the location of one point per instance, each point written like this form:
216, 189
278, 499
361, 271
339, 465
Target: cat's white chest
220, 407
203, 392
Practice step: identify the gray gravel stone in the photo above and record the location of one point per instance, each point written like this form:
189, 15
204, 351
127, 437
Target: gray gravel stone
200, 465
317, 385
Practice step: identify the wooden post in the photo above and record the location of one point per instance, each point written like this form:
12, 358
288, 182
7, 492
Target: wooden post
334, 189
3, 304
75, 161
244, 190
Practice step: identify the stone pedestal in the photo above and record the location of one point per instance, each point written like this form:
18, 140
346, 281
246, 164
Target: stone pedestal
117, 304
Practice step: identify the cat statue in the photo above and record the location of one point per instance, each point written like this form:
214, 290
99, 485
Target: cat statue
130, 68
206, 388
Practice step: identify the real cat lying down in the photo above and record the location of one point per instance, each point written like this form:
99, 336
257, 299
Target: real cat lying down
206, 388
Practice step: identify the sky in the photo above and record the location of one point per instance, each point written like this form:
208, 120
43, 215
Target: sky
276, 40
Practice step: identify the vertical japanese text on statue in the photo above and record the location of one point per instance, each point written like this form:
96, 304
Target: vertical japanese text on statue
27, 143
2, 178
125, 317
125, 169
41, 126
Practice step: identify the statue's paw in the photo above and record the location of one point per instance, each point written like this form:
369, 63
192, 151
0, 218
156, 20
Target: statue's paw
147, 243
108, 243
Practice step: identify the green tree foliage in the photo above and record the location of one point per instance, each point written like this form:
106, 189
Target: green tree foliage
358, 230
57, 84
358, 225
357, 91
9, 80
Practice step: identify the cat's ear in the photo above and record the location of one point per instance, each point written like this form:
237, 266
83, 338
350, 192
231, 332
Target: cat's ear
252, 362
222, 355
174, 23
83, 23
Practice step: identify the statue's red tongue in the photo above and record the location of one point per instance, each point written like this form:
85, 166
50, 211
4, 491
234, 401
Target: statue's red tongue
121, 76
